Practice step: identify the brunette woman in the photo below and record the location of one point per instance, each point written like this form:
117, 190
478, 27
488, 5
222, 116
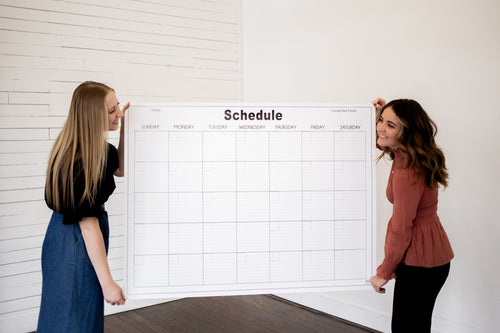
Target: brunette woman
417, 249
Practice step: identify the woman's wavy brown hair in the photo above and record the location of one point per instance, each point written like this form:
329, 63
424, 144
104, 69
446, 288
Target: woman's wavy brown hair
416, 142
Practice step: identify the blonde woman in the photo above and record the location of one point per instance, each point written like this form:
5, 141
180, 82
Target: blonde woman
417, 249
76, 274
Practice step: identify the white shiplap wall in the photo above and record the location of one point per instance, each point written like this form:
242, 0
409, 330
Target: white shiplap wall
151, 50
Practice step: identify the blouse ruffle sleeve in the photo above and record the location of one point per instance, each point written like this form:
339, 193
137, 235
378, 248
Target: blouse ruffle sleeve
407, 190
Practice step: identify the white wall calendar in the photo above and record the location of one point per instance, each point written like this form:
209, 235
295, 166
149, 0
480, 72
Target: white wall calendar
248, 199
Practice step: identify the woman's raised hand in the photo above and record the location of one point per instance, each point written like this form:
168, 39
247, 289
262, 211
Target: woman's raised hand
379, 103
125, 108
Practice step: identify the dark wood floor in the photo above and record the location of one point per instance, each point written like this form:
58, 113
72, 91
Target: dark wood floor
254, 313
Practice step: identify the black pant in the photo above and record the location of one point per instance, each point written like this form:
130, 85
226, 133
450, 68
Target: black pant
415, 293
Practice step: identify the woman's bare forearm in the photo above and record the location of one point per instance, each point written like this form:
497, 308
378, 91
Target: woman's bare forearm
94, 244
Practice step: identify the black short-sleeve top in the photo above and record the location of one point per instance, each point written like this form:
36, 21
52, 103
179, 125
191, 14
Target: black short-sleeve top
105, 189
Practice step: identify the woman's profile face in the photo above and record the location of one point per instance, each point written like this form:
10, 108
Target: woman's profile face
113, 109
388, 127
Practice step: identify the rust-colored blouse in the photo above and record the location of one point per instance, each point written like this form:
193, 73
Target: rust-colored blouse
415, 235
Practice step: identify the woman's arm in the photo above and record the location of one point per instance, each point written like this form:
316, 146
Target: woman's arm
120, 172
94, 243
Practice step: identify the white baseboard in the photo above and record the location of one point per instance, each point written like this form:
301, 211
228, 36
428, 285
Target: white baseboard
369, 317
132, 304
337, 308
25, 321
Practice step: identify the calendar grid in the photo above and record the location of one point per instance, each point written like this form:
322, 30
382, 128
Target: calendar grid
228, 211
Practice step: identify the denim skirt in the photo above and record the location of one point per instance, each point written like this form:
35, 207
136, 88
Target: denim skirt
72, 299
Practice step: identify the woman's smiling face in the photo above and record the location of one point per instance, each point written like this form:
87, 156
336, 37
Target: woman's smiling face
114, 112
388, 127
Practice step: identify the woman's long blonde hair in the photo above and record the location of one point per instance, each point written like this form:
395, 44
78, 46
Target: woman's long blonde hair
82, 139
416, 142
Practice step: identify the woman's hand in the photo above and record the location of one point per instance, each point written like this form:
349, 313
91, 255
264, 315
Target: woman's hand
113, 294
379, 103
120, 172
378, 283
125, 108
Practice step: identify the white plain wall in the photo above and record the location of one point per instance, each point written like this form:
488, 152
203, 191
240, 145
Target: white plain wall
168, 51
444, 54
